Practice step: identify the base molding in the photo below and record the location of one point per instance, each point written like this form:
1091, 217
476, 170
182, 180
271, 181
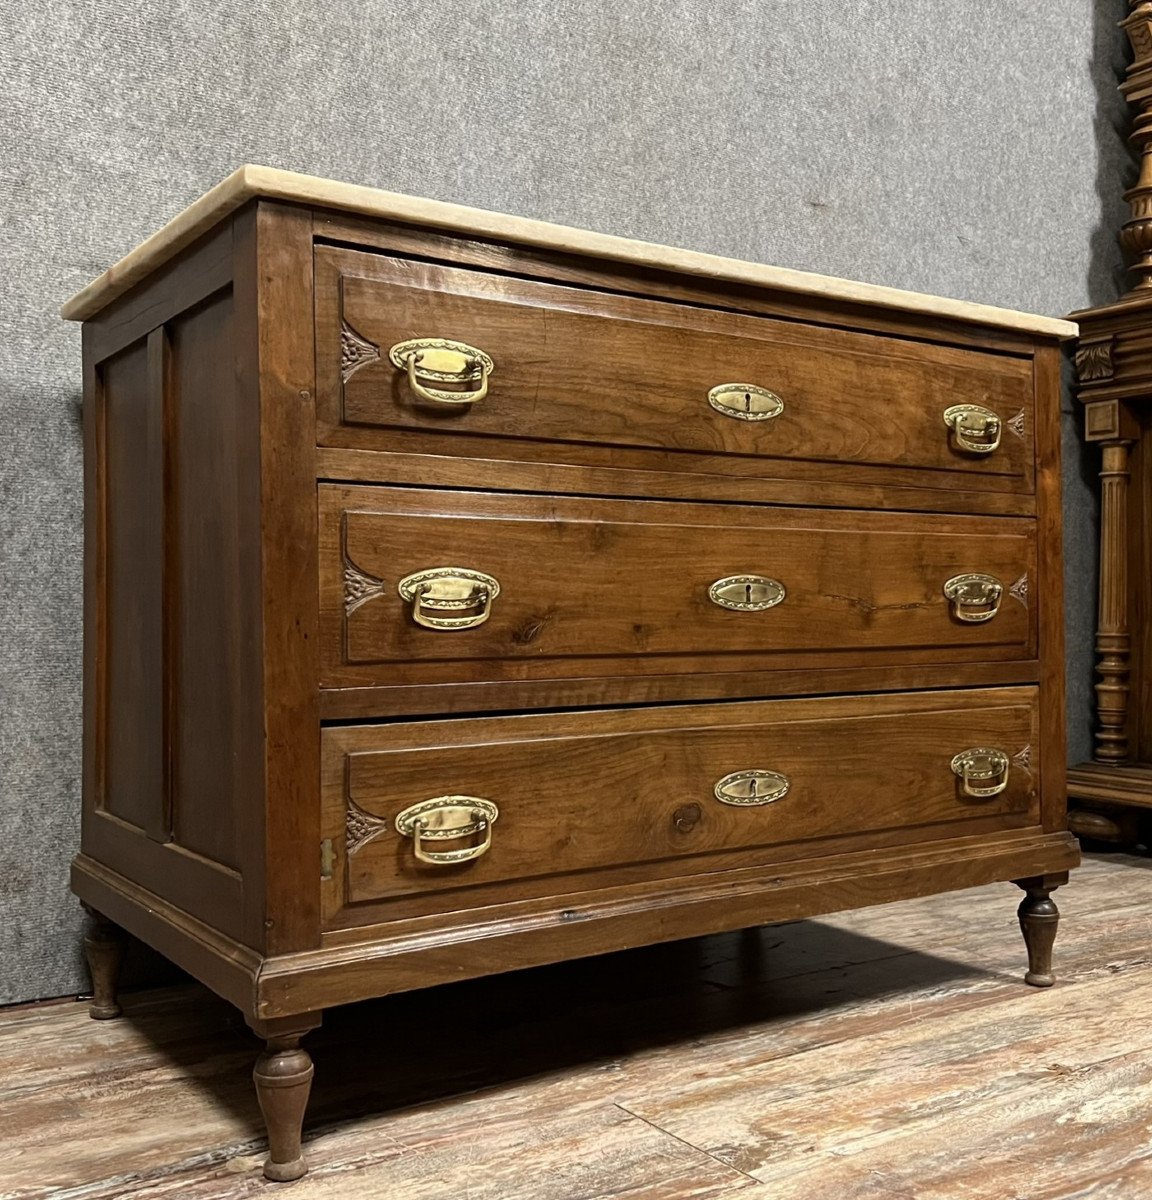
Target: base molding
1112, 783
226, 966
422, 952
1108, 801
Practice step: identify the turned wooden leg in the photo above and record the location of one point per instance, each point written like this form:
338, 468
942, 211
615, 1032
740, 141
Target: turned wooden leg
1039, 918
104, 944
283, 1077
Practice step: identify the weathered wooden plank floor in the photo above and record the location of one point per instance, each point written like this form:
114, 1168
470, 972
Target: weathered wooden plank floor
889, 1053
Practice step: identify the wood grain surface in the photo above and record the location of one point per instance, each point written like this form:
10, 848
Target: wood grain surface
576, 366
593, 586
638, 785
622, 515
881, 1054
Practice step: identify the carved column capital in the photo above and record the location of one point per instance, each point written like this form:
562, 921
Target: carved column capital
1136, 235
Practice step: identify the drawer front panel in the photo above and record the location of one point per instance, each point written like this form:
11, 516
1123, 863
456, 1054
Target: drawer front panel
588, 373
627, 581
591, 791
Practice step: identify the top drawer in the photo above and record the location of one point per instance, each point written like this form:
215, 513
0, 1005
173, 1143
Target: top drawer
607, 380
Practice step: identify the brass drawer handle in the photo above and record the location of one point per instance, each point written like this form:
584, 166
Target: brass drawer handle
744, 789
444, 819
975, 429
978, 766
745, 402
440, 360
747, 593
449, 597
974, 597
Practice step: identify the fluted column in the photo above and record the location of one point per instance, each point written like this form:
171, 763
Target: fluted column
1113, 642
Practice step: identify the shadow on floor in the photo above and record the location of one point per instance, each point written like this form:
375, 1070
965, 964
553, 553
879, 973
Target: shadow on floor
417, 1047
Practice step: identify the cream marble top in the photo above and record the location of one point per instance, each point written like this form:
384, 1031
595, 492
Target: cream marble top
251, 181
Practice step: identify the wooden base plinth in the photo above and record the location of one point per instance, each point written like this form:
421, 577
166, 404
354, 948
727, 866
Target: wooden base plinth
1107, 801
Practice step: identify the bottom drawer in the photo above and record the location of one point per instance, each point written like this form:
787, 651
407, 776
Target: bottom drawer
493, 808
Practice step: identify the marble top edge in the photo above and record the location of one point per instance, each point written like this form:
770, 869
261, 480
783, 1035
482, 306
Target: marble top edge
249, 182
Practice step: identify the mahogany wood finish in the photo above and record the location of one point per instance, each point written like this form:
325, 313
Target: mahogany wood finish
261, 705
1113, 792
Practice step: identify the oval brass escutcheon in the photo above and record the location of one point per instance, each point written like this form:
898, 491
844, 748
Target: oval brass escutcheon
443, 359
747, 593
745, 789
982, 772
745, 401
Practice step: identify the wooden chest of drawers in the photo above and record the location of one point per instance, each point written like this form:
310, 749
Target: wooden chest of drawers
465, 593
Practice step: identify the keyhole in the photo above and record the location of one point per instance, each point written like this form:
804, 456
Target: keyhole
747, 402
747, 593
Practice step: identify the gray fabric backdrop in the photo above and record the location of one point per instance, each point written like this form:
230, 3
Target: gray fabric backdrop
962, 147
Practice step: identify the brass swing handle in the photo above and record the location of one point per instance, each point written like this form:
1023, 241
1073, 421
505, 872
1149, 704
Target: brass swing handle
975, 429
448, 819
447, 598
982, 772
975, 597
429, 361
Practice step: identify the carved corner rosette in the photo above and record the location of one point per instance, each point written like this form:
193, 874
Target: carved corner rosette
1017, 424
360, 828
359, 587
1019, 590
355, 351
1023, 759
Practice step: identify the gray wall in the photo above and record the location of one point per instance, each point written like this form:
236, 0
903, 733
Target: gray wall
954, 146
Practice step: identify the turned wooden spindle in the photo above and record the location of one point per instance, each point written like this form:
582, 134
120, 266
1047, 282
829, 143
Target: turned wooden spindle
1136, 235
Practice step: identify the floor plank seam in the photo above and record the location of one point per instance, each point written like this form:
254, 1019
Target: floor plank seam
968, 1106
683, 1142
942, 1075
125, 1185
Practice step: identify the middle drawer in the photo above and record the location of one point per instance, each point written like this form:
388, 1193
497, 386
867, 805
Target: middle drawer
443, 586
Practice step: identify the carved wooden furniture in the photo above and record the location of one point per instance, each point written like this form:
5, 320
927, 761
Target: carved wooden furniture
1114, 376
467, 593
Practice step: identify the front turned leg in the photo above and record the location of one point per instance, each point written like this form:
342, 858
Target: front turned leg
1039, 918
104, 944
283, 1077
